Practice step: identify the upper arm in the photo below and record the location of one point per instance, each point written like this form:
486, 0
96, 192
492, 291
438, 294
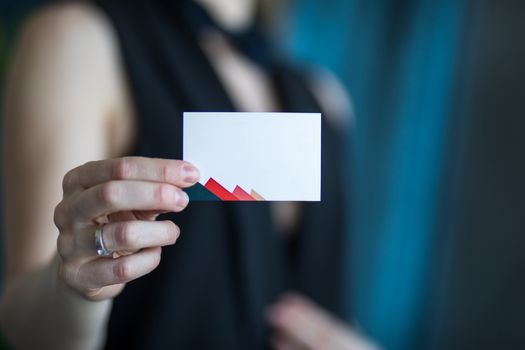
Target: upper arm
60, 96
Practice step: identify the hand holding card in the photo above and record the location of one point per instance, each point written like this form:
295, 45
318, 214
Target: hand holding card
254, 156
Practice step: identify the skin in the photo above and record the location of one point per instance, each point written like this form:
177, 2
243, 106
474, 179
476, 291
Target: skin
61, 108
231, 14
301, 324
68, 124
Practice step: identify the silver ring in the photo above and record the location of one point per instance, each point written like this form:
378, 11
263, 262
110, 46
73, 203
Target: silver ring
99, 242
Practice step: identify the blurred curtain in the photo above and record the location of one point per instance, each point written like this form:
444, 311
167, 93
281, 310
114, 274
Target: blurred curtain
399, 60
436, 257
484, 303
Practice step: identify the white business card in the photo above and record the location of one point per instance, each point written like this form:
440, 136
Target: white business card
254, 156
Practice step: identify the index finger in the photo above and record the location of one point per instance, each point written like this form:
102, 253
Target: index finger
175, 172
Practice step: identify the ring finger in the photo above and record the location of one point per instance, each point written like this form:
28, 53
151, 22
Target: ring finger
128, 236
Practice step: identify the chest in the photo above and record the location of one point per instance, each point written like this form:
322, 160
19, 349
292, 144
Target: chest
250, 90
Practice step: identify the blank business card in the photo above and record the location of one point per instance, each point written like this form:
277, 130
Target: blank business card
254, 156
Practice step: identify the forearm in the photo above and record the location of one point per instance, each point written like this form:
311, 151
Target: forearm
39, 311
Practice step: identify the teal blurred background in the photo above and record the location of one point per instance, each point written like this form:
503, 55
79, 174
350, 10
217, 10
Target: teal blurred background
436, 238
436, 159
401, 61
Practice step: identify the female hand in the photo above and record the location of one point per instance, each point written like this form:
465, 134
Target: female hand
125, 195
302, 325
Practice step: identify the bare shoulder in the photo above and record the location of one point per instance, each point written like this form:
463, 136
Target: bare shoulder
67, 74
67, 49
66, 25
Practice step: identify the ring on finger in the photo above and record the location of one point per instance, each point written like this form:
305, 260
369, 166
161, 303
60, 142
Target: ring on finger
99, 243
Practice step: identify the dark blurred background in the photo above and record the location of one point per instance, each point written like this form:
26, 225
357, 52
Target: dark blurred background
436, 161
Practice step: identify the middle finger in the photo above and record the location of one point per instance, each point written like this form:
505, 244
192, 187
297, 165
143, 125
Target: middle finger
115, 196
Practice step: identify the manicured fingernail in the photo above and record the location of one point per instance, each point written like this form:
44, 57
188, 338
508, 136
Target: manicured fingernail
191, 174
182, 199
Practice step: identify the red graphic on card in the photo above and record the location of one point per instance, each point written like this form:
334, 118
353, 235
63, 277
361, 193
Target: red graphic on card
218, 190
238, 194
242, 194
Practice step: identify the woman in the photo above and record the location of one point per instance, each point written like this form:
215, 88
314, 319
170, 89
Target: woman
92, 83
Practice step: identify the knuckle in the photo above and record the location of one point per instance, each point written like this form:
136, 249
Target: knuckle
122, 168
91, 294
67, 273
164, 194
169, 172
109, 193
59, 217
165, 173
70, 178
63, 246
124, 236
122, 271
91, 163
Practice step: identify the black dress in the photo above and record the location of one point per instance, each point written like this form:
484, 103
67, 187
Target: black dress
211, 289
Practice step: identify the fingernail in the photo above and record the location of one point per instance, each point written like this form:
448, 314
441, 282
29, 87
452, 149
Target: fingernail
191, 173
182, 199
